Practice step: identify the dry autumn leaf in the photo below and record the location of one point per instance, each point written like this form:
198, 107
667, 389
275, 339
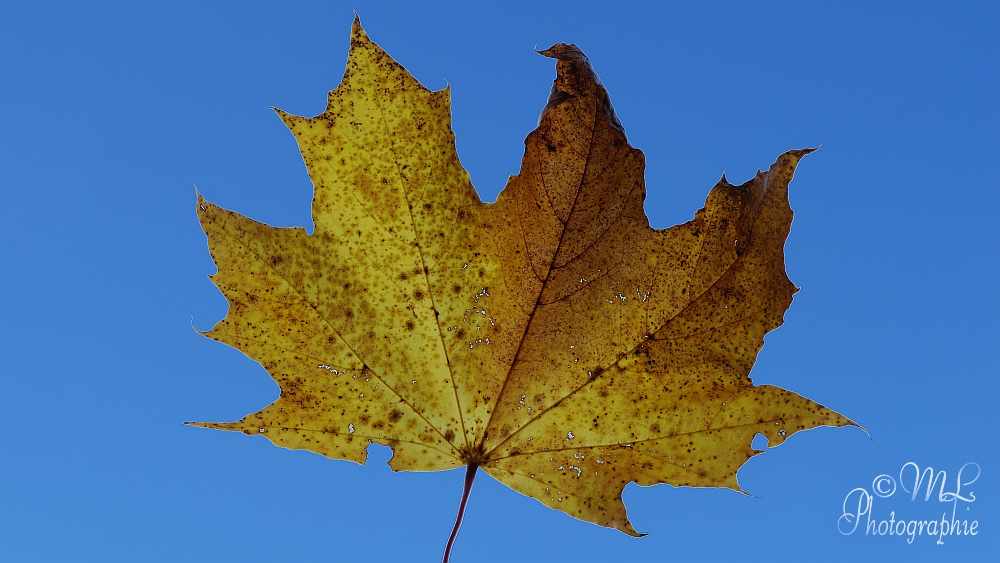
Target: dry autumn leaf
552, 338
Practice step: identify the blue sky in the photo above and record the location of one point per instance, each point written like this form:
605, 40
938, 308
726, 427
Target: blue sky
111, 112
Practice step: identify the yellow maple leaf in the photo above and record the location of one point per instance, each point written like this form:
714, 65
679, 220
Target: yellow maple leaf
552, 338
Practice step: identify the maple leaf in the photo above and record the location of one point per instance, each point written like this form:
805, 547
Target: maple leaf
552, 338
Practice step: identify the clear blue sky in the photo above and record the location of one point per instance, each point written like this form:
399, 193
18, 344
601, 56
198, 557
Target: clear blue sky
110, 112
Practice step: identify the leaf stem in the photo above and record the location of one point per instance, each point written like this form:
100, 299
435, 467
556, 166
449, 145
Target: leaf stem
470, 476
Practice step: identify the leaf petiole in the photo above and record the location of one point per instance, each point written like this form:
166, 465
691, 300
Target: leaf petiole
470, 476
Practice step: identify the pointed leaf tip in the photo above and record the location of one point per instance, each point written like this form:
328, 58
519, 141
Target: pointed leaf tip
563, 51
214, 425
576, 77
358, 32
